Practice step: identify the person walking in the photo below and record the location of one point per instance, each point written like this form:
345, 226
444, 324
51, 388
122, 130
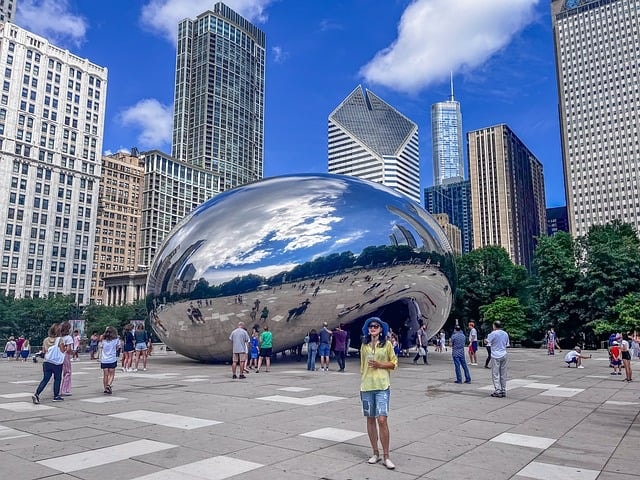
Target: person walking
239, 348
109, 358
340, 346
266, 348
312, 349
457, 342
488, 360
54, 353
324, 350
498, 340
76, 346
377, 360
422, 345
25, 350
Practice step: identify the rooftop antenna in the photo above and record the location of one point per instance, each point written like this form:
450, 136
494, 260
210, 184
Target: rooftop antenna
451, 99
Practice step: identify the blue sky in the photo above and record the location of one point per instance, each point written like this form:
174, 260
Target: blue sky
318, 51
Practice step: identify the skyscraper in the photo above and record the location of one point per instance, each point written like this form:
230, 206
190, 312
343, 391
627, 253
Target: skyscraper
446, 140
7, 10
454, 200
597, 67
507, 193
370, 139
51, 125
118, 219
219, 96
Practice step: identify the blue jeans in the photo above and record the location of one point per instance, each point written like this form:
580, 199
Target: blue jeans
461, 362
312, 350
50, 369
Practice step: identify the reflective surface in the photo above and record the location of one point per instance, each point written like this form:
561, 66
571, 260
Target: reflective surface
294, 252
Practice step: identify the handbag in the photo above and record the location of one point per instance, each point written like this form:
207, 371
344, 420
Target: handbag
54, 354
421, 351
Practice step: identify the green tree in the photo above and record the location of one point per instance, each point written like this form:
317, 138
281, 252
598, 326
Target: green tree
555, 298
484, 275
610, 259
627, 310
511, 313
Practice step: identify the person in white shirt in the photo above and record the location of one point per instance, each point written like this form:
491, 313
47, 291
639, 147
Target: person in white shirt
498, 340
575, 356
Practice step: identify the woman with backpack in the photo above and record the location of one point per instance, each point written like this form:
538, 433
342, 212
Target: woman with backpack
54, 351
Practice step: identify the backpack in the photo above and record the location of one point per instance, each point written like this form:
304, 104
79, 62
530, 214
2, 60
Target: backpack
54, 354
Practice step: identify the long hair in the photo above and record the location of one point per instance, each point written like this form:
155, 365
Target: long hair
65, 329
110, 333
54, 330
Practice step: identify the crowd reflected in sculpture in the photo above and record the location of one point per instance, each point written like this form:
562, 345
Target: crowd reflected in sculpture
293, 252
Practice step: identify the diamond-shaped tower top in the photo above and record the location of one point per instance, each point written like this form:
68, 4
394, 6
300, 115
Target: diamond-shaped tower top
373, 122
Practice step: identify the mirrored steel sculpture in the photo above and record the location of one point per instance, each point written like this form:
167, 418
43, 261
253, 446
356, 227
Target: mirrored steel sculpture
293, 252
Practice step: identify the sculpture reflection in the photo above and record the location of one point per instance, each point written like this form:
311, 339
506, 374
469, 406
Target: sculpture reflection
296, 251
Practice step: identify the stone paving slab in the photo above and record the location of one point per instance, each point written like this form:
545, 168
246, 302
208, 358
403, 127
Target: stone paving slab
294, 424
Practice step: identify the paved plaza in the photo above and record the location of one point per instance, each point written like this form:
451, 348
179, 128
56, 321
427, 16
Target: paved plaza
185, 420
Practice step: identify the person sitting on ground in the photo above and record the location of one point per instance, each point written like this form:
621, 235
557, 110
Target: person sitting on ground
575, 356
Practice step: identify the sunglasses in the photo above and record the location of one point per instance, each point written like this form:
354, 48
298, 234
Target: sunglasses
375, 325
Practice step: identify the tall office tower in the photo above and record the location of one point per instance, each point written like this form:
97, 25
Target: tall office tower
171, 190
52, 107
218, 122
446, 140
117, 219
454, 200
597, 68
557, 220
7, 10
507, 193
370, 139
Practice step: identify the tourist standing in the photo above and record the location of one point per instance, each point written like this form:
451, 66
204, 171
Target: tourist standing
76, 346
25, 350
128, 348
340, 346
625, 351
266, 348
312, 349
239, 348
140, 340
10, 348
109, 358
67, 339
377, 359
457, 342
473, 344
93, 345
324, 350
498, 340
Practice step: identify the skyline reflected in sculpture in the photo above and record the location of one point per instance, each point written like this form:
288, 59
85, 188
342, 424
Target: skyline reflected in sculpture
294, 252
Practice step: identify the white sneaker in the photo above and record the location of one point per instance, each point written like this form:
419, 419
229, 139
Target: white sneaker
374, 459
135, 370
144, 369
580, 366
389, 464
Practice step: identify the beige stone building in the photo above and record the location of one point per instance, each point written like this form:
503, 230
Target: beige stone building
452, 232
118, 222
507, 193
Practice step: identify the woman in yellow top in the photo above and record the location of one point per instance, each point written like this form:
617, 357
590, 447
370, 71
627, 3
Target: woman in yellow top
377, 359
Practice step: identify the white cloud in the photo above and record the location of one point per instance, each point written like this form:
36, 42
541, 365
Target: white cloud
279, 55
52, 20
153, 119
439, 36
162, 16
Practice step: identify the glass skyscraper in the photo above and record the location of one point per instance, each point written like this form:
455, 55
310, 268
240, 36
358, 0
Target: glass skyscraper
598, 64
370, 139
219, 96
446, 139
453, 199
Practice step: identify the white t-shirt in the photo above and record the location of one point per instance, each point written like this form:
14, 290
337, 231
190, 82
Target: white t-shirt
498, 340
571, 355
109, 351
473, 335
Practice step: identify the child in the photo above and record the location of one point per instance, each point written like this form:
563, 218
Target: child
255, 349
109, 359
616, 359
76, 346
